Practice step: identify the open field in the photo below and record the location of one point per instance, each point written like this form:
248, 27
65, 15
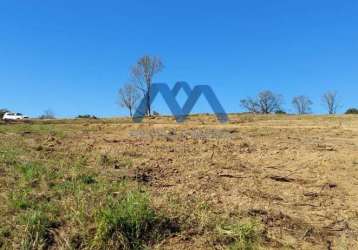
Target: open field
258, 182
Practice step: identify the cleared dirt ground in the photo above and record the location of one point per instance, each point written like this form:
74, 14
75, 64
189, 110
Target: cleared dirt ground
291, 179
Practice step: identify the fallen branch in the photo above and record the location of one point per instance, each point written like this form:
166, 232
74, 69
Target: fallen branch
232, 176
282, 178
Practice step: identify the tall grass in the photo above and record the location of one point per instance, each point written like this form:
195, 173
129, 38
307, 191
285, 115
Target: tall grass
125, 223
38, 234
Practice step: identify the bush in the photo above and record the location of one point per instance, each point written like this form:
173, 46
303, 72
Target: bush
86, 117
352, 111
280, 112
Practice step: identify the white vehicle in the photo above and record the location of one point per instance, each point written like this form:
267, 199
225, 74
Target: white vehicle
8, 116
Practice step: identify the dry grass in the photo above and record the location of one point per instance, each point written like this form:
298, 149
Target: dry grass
270, 182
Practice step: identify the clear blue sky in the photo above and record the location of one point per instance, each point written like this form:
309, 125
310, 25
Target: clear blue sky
72, 56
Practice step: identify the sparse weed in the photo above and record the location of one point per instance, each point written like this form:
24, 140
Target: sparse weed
86, 179
8, 156
115, 162
105, 160
240, 236
80, 162
124, 163
132, 154
204, 218
5, 233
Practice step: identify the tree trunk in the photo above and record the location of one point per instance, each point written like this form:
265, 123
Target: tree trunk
149, 113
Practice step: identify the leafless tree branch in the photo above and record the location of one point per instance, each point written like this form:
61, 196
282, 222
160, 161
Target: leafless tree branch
330, 100
265, 103
143, 73
128, 97
302, 104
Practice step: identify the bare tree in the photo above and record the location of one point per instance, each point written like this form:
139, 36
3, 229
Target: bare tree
143, 73
128, 97
302, 104
48, 114
250, 105
265, 103
331, 102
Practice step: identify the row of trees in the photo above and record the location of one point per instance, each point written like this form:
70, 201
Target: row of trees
143, 72
268, 102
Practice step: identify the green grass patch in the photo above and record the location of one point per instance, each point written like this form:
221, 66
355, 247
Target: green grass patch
9, 156
21, 199
38, 234
128, 223
33, 128
86, 179
31, 171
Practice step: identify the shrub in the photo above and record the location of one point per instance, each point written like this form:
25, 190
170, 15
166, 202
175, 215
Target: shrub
280, 112
352, 111
86, 117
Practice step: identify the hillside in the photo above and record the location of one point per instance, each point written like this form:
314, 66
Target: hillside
269, 182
